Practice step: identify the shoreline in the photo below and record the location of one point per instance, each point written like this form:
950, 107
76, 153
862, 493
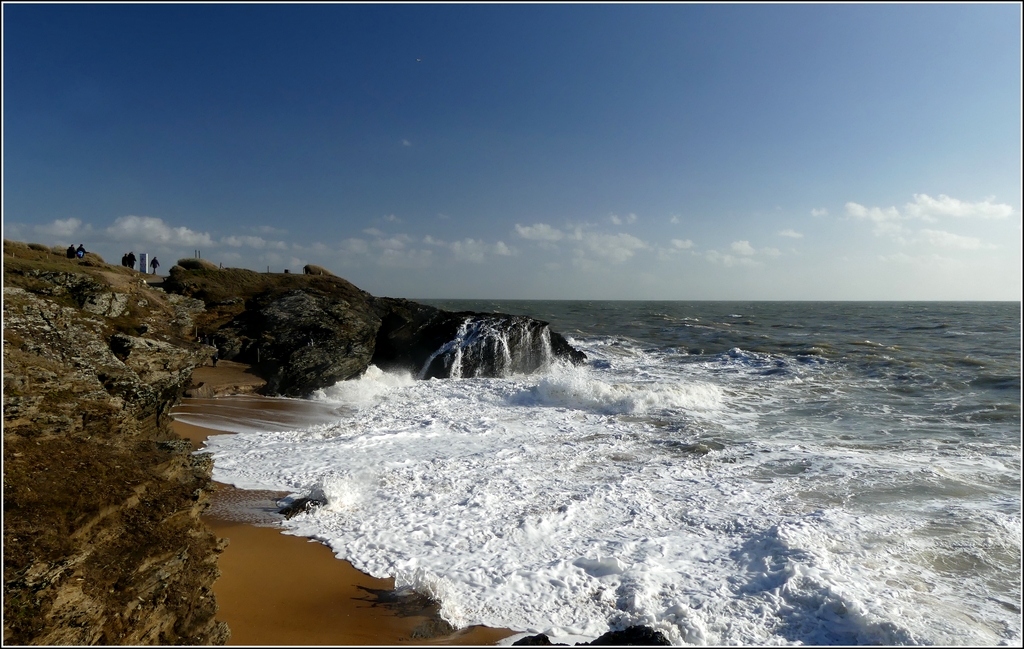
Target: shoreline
279, 589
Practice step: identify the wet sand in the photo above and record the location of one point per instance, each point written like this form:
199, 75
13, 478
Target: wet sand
227, 377
277, 589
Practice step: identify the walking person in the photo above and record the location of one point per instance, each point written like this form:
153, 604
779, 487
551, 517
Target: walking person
154, 265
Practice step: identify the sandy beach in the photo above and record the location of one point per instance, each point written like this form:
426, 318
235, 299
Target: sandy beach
277, 589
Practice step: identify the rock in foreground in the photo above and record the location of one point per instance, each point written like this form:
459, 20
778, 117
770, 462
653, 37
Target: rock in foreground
102, 538
634, 636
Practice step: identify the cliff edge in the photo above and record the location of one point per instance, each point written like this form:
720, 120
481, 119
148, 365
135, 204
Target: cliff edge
102, 538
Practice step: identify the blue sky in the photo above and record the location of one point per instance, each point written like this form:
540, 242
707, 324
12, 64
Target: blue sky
530, 151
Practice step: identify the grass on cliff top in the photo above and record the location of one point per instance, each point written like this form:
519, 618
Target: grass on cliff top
23, 260
21, 257
217, 286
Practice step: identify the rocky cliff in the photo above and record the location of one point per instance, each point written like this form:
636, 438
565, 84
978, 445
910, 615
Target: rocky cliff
102, 537
304, 332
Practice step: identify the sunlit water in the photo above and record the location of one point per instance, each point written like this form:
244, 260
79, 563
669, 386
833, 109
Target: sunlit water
728, 473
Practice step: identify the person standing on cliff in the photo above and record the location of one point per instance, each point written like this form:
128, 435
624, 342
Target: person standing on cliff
154, 265
131, 260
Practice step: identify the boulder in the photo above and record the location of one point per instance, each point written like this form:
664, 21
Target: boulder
638, 635
539, 640
313, 269
635, 636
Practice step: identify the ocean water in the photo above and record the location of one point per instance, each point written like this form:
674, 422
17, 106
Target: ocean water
728, 473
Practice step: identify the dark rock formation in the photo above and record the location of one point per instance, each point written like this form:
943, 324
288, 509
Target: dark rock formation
631, 636
305, 332
300, 505
102, 537
299, 332
539, 640
433, 343
635, 636
301, 340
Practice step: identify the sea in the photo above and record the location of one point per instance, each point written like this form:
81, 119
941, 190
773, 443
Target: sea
728, 473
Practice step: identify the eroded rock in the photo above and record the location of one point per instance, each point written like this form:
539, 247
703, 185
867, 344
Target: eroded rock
102, 537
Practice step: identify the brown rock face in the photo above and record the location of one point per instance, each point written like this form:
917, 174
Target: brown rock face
102, 537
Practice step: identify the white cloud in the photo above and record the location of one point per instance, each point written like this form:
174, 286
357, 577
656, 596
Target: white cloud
615, 247
469, 250
876, 214
942, 239
771, 252
391, 218
716, 257
373, 232
742, 248
355, 246
405, 258
674, 219
60, 228
887, 221
792, 234
397, 242
539, 232
502, 250
618, 220
431, 241
407, 143
266, 229
253, 242
682, 244
147, 229
821, 212
929, 209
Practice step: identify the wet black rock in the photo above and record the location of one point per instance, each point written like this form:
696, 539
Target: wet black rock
433, 343
302, 340
539, 640
300, 505
633, 636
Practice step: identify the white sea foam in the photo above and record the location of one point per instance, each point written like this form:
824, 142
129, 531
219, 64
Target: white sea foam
579, 500
364, 390
580, 388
